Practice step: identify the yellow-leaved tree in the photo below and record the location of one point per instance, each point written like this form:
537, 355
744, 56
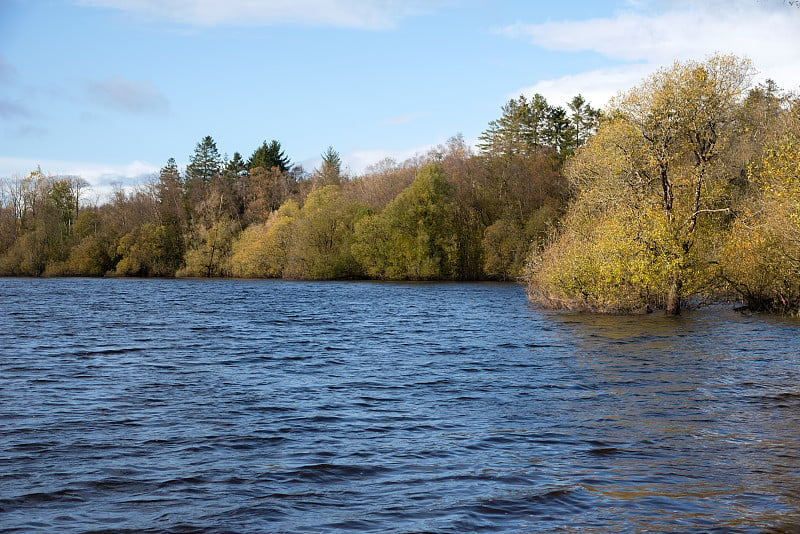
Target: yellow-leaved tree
260, 250
651, 193
762, 258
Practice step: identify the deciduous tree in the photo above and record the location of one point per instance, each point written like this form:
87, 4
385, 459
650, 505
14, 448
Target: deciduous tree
414, 236
761, 259
650, 194
323, 235
262, 249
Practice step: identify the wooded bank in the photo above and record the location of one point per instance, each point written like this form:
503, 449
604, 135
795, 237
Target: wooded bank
685, 187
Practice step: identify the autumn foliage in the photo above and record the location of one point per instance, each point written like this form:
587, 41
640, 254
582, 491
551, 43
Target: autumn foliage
450, 214
686, 188
688, 191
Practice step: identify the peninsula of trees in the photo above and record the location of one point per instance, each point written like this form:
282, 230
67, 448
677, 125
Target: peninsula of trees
685, 187
689, 189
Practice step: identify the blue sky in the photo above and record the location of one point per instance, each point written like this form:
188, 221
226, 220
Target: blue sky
110, 89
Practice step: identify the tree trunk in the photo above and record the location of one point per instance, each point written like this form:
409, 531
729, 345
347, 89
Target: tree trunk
673, 303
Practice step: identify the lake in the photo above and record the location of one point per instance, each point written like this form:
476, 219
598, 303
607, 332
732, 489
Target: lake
272, 406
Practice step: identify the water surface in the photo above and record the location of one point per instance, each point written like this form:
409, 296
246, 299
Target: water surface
271, 406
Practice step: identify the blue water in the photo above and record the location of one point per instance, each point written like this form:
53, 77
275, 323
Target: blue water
272, 406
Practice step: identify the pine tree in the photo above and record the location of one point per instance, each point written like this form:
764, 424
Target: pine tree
528, 125
169, 190
269, 155
236, 167
172, 218
520, 130
203, 169
557, 132
170, 172
330, 173
583, 120
206, 162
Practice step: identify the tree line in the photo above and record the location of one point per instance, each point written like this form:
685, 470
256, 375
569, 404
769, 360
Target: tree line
686, 188
450, 214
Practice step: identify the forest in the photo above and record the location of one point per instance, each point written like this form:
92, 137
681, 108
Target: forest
683, 189
450, 214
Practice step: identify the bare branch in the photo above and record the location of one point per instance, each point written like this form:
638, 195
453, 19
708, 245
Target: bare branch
693, 216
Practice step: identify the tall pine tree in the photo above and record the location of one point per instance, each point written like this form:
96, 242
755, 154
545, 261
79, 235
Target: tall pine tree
206, 162
204, 168
583, 120
528, 125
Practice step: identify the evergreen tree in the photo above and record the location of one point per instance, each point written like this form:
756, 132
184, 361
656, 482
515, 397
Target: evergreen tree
204, 167
206, 162
330, 173
236, 168
269, 155
583, 120
170, 172
528, 125
524, 128
557, 133
536, 123
169, 192
235, 181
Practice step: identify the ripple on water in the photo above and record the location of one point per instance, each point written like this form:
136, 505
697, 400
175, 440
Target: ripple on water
241, 406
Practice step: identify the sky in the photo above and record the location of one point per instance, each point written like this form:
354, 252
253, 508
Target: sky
110, 89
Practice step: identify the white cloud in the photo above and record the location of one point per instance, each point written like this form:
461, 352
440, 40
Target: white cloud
130, 96
766, 33
597, 86
102, 177
369, 14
